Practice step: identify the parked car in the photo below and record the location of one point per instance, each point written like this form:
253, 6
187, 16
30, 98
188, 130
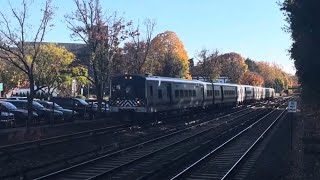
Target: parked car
94, 105
79, 105
6, 119
17, 98
68, 114
20, 115
44, 114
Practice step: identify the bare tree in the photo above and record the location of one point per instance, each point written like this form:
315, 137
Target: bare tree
136, 51
19, 46
209, 66
102, 35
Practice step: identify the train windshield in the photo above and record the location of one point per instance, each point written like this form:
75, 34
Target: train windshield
128, 88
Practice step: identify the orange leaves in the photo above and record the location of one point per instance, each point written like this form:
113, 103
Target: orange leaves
233, 66
252, 78
168, 56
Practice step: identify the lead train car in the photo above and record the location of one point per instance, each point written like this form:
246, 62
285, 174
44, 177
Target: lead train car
150, 95
144, 96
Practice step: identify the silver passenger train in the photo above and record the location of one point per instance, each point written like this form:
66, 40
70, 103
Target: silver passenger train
144, 96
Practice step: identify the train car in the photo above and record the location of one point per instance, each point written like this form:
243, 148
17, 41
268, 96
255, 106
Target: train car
148, 96
256, 93
263, 93
240, 94
218, 95
249, 97
208, 95
269, 93
142, 96
229, 93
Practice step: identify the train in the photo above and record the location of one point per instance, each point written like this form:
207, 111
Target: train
141, 96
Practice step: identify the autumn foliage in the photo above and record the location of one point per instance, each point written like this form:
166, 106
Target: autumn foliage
252, 78
233, 66
168, 56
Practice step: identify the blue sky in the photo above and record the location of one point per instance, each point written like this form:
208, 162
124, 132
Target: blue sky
250, 27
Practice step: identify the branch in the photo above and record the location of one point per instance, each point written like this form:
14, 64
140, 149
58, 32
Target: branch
47, 16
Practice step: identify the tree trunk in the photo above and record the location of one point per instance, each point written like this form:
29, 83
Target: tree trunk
98, 87
30, 99
99, 94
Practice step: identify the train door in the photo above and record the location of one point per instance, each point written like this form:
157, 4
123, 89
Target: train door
202, 92
150, 93
214, 95
222, 94
169, 93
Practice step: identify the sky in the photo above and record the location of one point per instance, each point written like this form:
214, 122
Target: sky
252, 28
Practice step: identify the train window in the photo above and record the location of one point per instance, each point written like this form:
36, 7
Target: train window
190, 93
159, 93
186, 94
216, 92
168, 92
194, 93
181, 93
151, 90
207, 92
176, 93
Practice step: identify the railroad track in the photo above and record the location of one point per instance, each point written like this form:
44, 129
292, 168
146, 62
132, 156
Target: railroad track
79, 157
112, 164
68, 161
222, 162
9, 150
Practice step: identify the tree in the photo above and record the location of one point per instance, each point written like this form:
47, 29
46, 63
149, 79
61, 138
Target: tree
268, 74
273, 76
136, 51
252, 65
61, 68
102, 35
252, 78
293, 81
10, 76
233, 66
305, 34
209, 65
14, 45
168, 56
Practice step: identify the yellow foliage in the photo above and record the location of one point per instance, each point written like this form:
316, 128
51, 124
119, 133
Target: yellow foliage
168, 52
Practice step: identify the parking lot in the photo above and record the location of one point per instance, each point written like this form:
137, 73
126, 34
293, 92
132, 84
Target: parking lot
57, 110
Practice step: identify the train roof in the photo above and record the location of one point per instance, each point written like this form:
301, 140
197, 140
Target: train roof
171, 79
160, 78
225, 84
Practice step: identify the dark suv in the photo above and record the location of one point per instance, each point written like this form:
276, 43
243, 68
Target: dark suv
79, 105
68, 114
44, 114
20, 115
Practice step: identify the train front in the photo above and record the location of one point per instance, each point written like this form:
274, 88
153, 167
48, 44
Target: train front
128, 97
